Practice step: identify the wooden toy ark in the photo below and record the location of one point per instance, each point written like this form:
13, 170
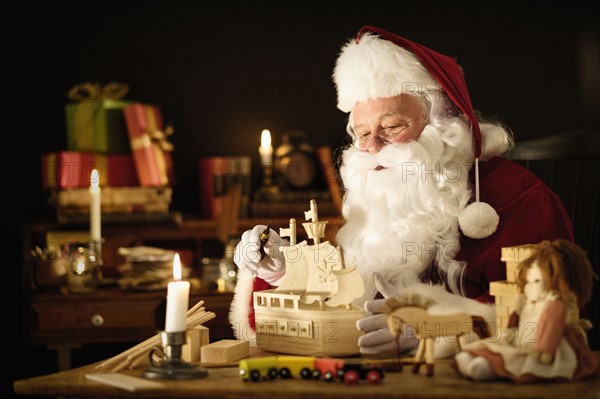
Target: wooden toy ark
311, 312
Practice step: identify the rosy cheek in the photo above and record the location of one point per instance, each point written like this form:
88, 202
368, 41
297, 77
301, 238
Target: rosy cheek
402, 139
411, 134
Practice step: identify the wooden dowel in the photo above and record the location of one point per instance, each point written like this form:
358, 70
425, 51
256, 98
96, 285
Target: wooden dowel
126, 353
194, 308
199, 319
139, 359
143, 349
120, 366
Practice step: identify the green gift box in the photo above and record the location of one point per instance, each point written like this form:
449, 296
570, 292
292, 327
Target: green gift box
97, 126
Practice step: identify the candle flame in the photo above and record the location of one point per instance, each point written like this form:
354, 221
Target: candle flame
176, 267
80, 268
95, 178
265, 138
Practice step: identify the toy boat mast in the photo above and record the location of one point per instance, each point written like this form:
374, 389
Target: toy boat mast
314, 229
289, 232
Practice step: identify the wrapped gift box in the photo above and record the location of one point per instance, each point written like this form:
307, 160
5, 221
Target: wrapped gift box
148, 140
97, 125
71, 169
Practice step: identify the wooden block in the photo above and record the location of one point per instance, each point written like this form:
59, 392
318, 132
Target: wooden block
197, 337
512, 256
517, 253
511, 271
509, 301
225, 351
503, 288
502, 310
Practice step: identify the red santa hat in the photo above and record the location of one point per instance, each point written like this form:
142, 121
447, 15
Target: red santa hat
384, 65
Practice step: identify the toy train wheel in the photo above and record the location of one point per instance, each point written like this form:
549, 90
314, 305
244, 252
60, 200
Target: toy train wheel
272, 373
328, 376
374, 377
285, 373
305, 373
254, 375
351, 377
316, 374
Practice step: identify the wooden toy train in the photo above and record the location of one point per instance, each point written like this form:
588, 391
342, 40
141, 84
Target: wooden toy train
309, 367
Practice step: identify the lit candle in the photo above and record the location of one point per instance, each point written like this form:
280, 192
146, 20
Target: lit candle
95, 230
266, 149
178, 293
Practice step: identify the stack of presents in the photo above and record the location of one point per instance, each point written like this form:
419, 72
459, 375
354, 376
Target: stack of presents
126, 142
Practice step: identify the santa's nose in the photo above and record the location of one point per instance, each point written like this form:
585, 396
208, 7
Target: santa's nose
374, 145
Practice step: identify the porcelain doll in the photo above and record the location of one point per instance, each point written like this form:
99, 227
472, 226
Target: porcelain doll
545, 339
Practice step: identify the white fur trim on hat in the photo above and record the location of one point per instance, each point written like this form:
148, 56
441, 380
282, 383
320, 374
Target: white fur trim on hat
375, 68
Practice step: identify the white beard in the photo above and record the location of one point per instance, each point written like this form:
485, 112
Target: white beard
404, 218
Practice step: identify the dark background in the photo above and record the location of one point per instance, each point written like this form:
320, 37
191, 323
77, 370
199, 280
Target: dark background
222, 73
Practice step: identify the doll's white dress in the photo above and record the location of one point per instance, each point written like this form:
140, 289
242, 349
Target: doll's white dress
549, 325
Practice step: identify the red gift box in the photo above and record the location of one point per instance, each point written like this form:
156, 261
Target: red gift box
72, 169
151, 150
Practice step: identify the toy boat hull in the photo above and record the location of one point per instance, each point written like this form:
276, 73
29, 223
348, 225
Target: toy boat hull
310, 330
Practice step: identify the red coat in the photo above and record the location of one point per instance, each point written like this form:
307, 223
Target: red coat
529, 213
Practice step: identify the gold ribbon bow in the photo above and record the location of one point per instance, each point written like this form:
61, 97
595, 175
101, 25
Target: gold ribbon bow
159, 137
91, 92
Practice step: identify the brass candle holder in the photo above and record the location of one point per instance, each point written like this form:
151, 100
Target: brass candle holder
173, 367
267, 174
268, 185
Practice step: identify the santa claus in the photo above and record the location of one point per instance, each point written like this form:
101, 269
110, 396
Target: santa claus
428, 203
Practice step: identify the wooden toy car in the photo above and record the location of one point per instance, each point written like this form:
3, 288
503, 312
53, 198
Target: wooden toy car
259, 368
308, 367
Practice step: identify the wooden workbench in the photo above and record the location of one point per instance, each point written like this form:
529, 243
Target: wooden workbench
224, 382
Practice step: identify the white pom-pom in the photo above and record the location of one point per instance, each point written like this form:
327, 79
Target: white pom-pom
478, 220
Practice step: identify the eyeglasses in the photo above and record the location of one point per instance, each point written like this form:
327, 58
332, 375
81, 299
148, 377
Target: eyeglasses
385, 136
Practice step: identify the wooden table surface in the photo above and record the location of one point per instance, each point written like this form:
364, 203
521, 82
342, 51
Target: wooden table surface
224, 382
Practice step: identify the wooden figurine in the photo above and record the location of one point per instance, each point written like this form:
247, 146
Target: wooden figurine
546, 339
411, 310
311, 312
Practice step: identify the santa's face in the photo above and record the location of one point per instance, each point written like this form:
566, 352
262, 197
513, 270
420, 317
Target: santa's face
403, 199
391, 119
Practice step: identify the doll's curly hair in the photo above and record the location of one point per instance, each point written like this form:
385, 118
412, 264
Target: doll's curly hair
565, 268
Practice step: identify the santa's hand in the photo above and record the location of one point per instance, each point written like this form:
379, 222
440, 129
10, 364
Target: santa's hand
378, 338
271, 268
